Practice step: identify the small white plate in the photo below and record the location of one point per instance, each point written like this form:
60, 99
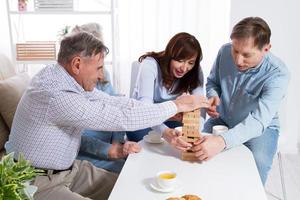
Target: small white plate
156, 187
147, 139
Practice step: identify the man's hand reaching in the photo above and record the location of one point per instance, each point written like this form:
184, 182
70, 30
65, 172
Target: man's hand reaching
130, 147
118, 151
186, 103
212, 109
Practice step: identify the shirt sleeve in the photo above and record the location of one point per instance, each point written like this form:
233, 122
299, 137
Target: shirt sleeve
145, 86
213, 87
260, 117
94, 146
118, 137
107, 113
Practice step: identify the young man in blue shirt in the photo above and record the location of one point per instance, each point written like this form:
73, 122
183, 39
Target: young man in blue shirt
245, 88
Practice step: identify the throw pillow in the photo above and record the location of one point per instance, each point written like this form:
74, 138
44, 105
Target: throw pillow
11, 91
3, 133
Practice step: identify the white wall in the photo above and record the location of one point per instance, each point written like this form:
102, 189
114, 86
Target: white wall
4, 33
283, 18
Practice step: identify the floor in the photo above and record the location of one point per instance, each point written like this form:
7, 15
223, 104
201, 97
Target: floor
291, 178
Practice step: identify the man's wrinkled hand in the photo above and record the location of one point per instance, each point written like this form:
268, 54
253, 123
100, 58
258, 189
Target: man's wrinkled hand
186, 103
212, 109
130, 147
115, 151
208, 146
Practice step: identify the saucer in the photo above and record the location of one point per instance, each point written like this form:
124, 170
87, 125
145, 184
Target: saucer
156, 187
147, 139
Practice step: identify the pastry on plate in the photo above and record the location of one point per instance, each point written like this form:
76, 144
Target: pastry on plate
185, 197
191, 197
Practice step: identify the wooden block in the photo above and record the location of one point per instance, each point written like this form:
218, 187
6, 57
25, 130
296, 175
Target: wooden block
190, 131
190, 139
190, 121
188, 156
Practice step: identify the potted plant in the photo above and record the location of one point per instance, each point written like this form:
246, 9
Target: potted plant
63, 32
15, 178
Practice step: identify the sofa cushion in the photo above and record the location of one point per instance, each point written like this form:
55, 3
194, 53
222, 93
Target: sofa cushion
3, 133
6, 68
11, 91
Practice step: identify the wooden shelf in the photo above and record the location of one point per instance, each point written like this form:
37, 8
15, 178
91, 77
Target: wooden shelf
17, 23
106, 63
50, 12
36, 50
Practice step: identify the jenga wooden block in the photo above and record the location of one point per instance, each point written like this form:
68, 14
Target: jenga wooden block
190, 131
189, 156
191, 139
190, 121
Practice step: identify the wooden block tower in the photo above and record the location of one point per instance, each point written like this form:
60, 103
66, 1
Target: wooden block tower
190, 130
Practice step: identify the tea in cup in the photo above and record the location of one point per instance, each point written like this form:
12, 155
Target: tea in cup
154, 137
219, 129
166, 179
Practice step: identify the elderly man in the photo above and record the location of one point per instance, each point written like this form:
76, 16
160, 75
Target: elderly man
60, 102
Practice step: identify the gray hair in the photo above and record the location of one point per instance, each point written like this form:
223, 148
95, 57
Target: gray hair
79, 44
93, 28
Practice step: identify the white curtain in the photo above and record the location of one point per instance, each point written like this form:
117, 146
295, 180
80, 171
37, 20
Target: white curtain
147, 25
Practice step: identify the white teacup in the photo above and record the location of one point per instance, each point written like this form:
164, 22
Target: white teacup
219, 129
166, 179
153, 136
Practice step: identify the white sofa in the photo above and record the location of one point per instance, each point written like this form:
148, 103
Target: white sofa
12, 86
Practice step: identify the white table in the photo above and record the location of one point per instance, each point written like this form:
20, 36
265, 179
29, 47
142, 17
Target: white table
231, 175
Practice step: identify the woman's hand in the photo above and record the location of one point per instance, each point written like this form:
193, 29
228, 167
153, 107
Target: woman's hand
174, 137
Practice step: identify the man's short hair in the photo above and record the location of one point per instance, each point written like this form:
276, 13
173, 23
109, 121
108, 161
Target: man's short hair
79, 44
254, 27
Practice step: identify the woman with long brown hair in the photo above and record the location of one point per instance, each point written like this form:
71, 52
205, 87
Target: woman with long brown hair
166, 75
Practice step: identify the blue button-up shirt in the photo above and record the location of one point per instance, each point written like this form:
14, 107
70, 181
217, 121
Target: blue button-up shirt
249, 99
